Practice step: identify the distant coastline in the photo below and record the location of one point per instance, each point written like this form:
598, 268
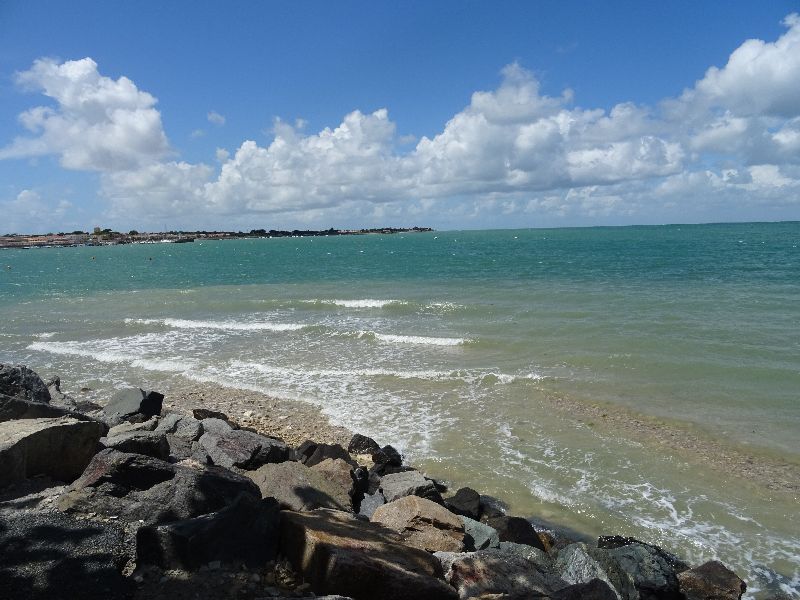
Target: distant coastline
108, 237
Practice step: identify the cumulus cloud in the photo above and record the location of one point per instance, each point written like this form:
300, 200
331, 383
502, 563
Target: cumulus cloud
731, 139
28, 207
97, 123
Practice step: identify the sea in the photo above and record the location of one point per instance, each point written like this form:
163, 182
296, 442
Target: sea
537, 366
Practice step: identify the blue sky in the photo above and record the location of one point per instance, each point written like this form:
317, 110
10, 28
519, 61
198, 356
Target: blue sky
449, 114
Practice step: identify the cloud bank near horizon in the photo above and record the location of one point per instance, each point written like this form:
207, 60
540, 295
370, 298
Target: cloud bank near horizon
732, 139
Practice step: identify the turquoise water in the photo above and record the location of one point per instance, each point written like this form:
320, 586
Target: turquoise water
457, 346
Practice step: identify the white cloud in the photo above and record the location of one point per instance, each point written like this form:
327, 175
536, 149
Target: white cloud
28, 212
731, 141
215, 118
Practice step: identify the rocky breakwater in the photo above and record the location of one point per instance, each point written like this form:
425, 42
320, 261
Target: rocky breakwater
130, 501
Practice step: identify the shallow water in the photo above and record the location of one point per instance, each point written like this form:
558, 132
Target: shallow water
457, 346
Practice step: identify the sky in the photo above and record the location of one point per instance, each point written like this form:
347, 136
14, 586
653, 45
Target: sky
454, 115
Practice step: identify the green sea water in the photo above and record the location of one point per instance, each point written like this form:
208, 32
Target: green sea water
466, 349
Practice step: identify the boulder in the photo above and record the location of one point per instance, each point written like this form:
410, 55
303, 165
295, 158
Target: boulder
181, 426
466, 501
620, 579
58, 447
409, 483
298, 488
652, 574
594, 589
214, 425
422, 524
517, 530
320, 452
610, 542
711, 581
135, 487
369, 503
486, 572
20, 382
361, 444
126, 427
18, 408
50, 556
339, 554
338, 472
477, 535
205, 413
244, 532
575, 565
242, 449
542, 560
149, 443
133, 402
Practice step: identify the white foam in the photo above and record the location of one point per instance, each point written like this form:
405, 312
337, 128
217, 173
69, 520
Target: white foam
45, 335
114, 357
417, 339
223, 325
364, 303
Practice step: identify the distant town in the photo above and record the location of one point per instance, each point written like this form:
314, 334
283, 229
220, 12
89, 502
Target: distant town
108, 237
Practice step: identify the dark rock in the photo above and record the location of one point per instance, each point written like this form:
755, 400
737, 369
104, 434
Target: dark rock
339, 473
369, 503
711, 581
517, 530
214, 425
478, 536
610, 542
387, 455
595, 589
58, 447
149, 443
466, 501
53, 556
325, 451
491, 508
181, 449
20, 382
242, 449
204, 413
133, 404
542, 560
296, 487
481, 574
244, 532
181, 426
422, 524
360, 477
620, 579
361, 444
409, 483
134, 487
339, 554
126, 427
576, 566
18, 408
654, 577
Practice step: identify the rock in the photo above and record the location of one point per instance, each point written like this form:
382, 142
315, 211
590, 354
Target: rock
422, 524
133, 402
58, 447
325, 451
339, 554
408, 483
594, 589
620, 579
187, 428
466, 501
392, 456
19, 408
617, 541
491, 508
214, 425
361, 444
711, 581
149, 443
576, 566
517, 530
204, 413
542, 560
244, 532
298, 488
478, 536
339, 473
20, 382
126, 427
486, 572
136, 487
369, 503
181, 449
53, 556
654, 577
242, 449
